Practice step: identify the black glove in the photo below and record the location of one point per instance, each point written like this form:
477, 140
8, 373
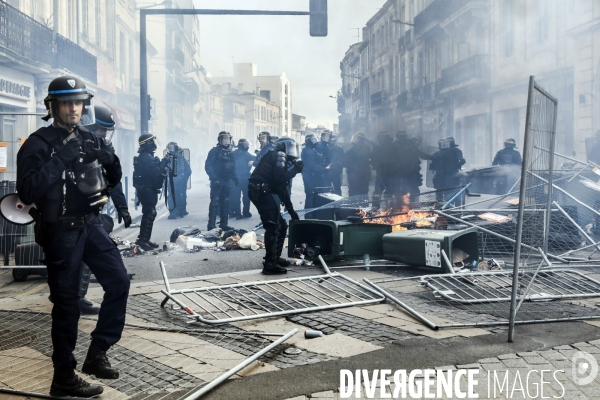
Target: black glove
164, 162
298, 165
69, 152
124, 216
104, 157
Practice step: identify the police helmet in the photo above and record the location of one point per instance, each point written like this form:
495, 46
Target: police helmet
243, 144
401, 134
69, 88
510, 143
105, 122
288, 146
274, 138
310, 139
172, 147
384, 137
416, 140
326, 136
266, 136
148, 142
222, 136
447, 143
358, 138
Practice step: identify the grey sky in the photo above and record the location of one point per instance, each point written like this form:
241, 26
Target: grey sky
279, 44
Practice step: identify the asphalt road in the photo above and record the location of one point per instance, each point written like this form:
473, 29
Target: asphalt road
207, 262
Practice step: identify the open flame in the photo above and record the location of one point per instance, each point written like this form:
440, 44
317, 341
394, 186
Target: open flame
402, 214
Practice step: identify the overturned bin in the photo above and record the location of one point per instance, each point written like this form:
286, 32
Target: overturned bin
423, 247
335, 239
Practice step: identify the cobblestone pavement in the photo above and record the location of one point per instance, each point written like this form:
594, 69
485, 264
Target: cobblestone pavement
161, 362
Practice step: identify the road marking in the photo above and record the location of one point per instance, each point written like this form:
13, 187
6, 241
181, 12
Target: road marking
36, 289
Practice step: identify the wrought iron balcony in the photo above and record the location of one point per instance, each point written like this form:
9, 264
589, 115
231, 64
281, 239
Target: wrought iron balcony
379, 99
70, 56
24, 38
406, 40
29, 42
437, 12
473, 70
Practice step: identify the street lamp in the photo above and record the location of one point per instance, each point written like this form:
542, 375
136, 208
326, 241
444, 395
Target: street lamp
402, 22
333, 97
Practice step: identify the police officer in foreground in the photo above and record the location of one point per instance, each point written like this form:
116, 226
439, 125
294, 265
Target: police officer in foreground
446, 164
268, 189
65, 170
220, 168
178, 208
243, 164
149, 173
508, 155
104, 129
267, 143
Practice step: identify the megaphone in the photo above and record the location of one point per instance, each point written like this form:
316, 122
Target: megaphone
15, 211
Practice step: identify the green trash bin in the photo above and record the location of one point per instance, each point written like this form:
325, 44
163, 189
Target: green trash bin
336, 239
423, 247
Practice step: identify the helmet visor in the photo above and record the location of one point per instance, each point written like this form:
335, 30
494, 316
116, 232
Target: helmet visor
292, 149
88, 116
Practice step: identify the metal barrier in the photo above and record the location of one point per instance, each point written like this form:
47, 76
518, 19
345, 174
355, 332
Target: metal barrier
254, 300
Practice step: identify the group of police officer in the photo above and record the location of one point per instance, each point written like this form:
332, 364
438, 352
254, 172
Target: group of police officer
70, 170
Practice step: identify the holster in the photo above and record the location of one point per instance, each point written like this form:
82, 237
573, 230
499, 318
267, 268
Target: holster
255, 190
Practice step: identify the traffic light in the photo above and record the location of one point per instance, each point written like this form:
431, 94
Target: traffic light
318, 18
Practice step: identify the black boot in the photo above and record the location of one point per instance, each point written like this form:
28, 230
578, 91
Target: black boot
87, 307
212, 216
96, 363
145, 232
144, 245
66, 383
282, 262
270, 268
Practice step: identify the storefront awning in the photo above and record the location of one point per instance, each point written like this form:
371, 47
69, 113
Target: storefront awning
123, 118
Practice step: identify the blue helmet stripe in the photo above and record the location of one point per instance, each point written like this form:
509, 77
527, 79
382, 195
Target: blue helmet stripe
104, 123
68, 91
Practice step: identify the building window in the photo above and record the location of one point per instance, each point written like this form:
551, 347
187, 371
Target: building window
508, 27
543, 21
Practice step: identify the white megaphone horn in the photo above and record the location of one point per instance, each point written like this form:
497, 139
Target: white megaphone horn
15, 211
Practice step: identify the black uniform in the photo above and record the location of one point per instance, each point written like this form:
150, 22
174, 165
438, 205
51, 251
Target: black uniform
314, 173
412, 179
148, 177
268, 190
267, 147
178, 209
220, 168
336, 158
506, 156
446, 163
358, 169
242, 170
70, 234
382, 160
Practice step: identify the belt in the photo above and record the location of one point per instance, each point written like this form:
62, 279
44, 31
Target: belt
75, 222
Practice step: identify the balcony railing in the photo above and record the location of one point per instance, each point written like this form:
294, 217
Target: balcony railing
24, 37
31, 42
475, 68
436, 12
379, 99
70, 56
406, 40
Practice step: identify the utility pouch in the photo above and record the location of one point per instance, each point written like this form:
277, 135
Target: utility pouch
255, 190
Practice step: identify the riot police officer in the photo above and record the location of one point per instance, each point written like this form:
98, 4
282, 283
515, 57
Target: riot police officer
268, 190
508, 155
65, 170
315, 172
104, 129
357, 166
177, 201
267, 143
220, 168
322, 148
412, 177
446, 163
149, 173
243, 164
336, 159
381, 159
